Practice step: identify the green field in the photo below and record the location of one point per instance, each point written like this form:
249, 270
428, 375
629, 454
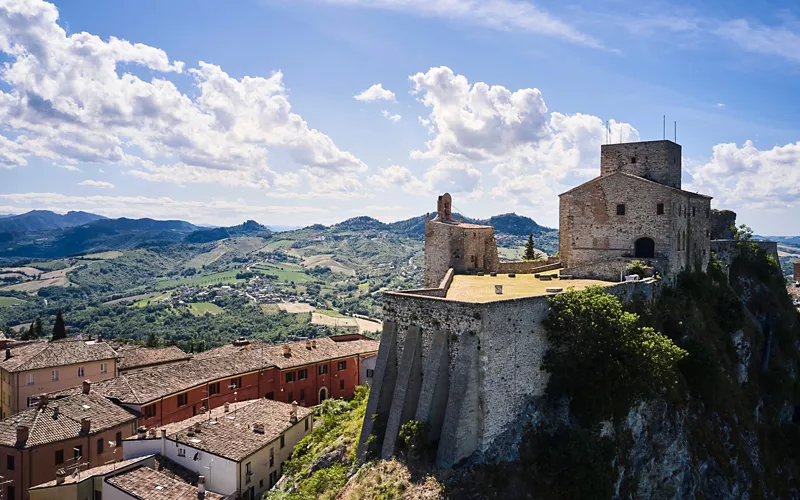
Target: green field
223, 278
10, 301
102, 255
276, 245
283, 272
201, 308
151, 300
331, 313
270, 309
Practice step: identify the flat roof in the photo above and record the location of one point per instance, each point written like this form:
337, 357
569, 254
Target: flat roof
471, 288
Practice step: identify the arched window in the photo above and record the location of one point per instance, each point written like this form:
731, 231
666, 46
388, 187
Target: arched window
323, 394
645, 248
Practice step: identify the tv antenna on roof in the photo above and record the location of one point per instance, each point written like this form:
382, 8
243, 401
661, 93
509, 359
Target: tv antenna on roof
676, 132
664, 132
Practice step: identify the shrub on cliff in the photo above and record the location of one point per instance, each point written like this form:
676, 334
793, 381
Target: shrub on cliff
601, 359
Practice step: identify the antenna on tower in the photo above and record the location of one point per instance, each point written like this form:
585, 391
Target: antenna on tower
664, 133
676, 132
607, 129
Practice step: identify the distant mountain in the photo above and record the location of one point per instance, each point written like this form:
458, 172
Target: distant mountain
517, 225
787, 240
249, 228
3, 216
361, 223
280, 229
44, 220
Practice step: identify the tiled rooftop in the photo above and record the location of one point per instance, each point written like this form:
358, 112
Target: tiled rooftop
226, 361
38, 355
232, 436
47, 426
90, 473
148, 484
140, 356
174, 427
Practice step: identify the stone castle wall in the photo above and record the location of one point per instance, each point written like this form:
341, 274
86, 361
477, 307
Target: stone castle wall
796, 271
723, 224
463, 247
658, 161
725, 251
468, 369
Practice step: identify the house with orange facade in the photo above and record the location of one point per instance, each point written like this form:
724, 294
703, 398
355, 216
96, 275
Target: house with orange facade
29, 369
307, 372
71, 434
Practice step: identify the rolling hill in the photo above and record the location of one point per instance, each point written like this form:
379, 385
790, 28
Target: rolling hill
44, 220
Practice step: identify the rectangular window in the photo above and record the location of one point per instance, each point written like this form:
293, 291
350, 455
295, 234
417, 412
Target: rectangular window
370, 373
270, 395
289, 377
54, 375
77, 451
31, 379
149, 411
302, 374
118, 438
633, 159
103, 368
341, 365
323, 369
341, 385
236, 383
660, 209
30, 401
10, 462
261, 484
708, 213
283, 443
213, 388
693, 211
248, 472
306, 421
290, 397
183, 399
302, 394
620, 209
100, 446
181, 452
271, 457
81, 372
11, 494
59, 457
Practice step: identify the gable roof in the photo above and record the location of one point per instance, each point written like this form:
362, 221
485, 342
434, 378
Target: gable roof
46, 426
47, 354
636, 178
148, 484
140, 356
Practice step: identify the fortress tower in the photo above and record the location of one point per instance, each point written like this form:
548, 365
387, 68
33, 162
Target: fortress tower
455, 244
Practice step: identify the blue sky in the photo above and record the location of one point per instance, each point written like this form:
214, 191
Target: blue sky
106, 106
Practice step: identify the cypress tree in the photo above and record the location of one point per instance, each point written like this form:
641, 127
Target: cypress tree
530, 254
59, 329
202, 346
38, 328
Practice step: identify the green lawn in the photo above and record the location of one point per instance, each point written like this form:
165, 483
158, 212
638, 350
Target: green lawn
151, 300
223, 278
200, 308
283, 272
10, 301
331, 313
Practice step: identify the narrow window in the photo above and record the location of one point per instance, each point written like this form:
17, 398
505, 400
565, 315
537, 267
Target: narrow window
633, 159
660, 209
59, 457
341, 365
290, 398
323, 369
302, 394
271, 457
77, 451
10, 462
283, 443
11, 495
693, 211
370, 373
289, 377
306, 423
81, 372
103, 368
100, 446
54, 375
341, 385
31, 379
118, 438
621, 209
708, 213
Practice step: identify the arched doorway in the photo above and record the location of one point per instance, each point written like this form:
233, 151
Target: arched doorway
644, 248
323, 394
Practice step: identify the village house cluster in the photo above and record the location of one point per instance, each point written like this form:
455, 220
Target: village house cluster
74, 409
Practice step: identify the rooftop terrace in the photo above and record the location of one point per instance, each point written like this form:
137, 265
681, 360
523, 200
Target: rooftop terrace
471, 288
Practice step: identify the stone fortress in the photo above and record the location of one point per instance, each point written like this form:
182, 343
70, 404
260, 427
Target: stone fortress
464, 354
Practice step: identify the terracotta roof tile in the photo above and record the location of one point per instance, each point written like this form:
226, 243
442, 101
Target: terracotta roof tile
90, 473
148, 484
38, 355
140, 356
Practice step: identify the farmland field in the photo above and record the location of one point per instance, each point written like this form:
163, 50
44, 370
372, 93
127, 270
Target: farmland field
223, 278
284, 272
102, 255
53, 278
326, 260
295, 307
200, 308
10, 301
151, 298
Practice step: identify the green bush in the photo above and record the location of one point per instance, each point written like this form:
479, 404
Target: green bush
638, 267
601, 359
414, 437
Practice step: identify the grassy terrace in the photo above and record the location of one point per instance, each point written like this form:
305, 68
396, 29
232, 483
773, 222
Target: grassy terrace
481, 288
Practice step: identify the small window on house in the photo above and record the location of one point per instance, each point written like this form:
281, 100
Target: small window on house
283, 442
323, 369
302, 394
693, 211
660, 209
77, 451
183, 399
270, 395
341, 365
213, 388
633, 159
59, 457
118, 438
341, 385
54, 375
289, 377
306, 423
30, 401
261, 484
181, 452
621, 209
302, 374
149, 411
31, 379
236, 382
103, 368
81, 372
271, 457
290, 397
11, 493
10, 462
370, 373
100, 446
708, 213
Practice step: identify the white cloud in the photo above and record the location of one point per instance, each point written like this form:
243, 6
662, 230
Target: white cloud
533, 153
774, 40
500, 15
69, 168
720, 105
70, 100
391, 117
97, 184
376, 93
213, 211
748, 177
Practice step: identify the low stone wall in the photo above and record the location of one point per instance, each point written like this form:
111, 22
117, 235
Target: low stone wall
611, 269
527, 267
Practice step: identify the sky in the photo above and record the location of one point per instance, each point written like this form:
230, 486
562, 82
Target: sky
293, 112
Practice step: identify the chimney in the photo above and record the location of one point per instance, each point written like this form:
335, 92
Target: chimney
56, 411
87, 386
61, 474
287, 350
201, 487
227, 407
151, 433
308, 344
42, 401
22, 434
314, 343
258, 428
8, 353
86, 425
141, 432
293, 413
